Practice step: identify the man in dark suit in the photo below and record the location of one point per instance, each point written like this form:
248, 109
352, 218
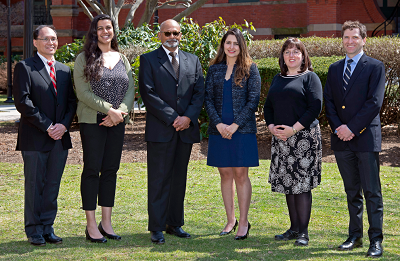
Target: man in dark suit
171, 84
353, 94
45, 98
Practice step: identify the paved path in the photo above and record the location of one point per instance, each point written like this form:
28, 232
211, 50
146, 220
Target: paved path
8, 113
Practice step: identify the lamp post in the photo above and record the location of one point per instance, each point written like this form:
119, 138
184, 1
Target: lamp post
9, 62
28, 28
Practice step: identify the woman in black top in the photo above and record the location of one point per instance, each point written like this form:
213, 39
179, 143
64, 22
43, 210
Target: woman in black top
232, 94
105, 91
293, 104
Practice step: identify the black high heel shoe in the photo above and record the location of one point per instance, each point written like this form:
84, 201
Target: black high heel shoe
245, 236
104, 233
234, 229
94, 240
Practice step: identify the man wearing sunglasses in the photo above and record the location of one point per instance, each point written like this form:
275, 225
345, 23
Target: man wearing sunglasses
171, 84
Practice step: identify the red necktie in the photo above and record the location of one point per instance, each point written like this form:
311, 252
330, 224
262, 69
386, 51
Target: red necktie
53, 74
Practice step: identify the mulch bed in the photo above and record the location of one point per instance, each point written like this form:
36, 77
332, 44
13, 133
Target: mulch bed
134, 149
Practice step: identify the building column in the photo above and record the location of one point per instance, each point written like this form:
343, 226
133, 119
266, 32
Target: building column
64, 14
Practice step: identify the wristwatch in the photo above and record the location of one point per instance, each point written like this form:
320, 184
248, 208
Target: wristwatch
294, 130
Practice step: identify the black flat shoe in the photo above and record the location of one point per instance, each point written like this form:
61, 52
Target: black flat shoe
52, 238
37, 240
375, 249
234, 229
302, 240
247, 233
288, 235
94, 240
157, 237
177, 231
350, 243
104, 233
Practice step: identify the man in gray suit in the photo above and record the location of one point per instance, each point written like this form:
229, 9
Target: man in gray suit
45, 98
171, 84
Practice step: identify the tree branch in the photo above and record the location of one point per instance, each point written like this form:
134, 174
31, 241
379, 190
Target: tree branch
190, 10
86, 10
185, 3
132, 11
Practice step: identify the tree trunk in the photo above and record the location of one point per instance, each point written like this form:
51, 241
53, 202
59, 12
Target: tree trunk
132, 11
148, 12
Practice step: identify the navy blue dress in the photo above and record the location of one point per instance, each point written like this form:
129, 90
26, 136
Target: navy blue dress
241, 150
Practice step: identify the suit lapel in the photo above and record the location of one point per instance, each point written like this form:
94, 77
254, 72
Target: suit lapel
41, 68
164, 60
360, 66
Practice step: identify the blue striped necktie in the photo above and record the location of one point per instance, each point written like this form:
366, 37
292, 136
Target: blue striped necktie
347, 74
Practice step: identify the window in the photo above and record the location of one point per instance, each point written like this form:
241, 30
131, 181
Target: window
41, 12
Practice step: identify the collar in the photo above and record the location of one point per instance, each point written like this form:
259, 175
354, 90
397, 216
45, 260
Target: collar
355, 58
168, 51
44, 60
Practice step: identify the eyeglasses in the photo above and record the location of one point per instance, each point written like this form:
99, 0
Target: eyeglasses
294, 53
48, 40
168, 34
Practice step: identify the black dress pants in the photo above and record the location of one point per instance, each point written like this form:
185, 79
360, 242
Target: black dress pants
166, 173
360, 174
102, 149
43, 172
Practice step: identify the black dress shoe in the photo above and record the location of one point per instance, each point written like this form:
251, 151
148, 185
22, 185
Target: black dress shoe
350, 243
52, 238
302, 240
94, 240
247, 233
177, 231
157, 237
288, 235
37, 240
104, 233
228, 232
375, 249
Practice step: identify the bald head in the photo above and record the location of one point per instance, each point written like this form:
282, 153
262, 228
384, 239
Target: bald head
170, 34
169, 23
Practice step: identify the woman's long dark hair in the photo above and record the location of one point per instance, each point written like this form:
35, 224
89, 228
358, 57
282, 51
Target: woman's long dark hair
93, 54
243, 61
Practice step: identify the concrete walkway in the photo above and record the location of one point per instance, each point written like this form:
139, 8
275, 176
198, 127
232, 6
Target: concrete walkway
10, 113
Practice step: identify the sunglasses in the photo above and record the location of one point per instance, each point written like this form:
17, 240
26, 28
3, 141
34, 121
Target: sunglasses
168, 34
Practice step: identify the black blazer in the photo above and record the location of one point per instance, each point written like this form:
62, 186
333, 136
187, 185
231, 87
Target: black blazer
165, 97
359, 106
36, 100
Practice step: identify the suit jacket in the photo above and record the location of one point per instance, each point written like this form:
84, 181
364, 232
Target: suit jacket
358, 106
166, 97
36, 100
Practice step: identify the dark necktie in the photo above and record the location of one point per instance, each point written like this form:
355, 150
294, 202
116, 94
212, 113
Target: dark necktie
347, 74
53, 75
175, 64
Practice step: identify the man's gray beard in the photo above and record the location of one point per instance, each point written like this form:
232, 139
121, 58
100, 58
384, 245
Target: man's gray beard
171, 43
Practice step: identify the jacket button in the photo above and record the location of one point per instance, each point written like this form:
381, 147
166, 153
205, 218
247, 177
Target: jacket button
343, 107
178, 98
176, 85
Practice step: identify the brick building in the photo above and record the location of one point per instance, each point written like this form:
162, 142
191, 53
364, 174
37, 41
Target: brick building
272, 19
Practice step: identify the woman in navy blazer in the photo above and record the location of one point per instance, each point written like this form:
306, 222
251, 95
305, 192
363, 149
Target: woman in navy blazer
233, 87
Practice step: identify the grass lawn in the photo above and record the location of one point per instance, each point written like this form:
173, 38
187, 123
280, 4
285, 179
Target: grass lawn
204, 216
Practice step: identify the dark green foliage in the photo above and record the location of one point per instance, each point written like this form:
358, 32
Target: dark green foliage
68, 52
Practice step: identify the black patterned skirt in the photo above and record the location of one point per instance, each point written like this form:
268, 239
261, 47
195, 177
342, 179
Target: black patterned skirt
296, 163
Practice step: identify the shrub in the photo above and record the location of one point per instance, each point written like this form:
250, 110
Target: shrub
67, 53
